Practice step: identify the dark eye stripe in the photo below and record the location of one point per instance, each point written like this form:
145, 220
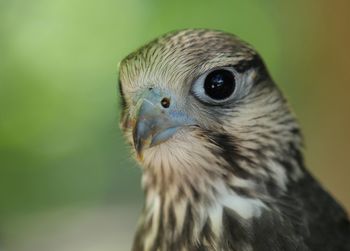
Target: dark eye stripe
245, 64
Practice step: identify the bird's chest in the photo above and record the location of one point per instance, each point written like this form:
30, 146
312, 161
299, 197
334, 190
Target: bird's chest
234, 233
188, 228
206, 240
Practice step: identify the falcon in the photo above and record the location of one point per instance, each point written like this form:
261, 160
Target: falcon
221, 152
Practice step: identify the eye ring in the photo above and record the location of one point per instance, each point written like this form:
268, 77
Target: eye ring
216, 86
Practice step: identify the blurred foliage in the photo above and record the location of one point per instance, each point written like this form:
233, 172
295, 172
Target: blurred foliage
59, 138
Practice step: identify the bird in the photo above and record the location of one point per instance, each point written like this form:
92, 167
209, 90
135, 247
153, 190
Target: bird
221, 152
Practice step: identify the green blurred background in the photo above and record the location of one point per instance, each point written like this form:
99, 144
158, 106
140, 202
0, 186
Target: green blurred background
67, 181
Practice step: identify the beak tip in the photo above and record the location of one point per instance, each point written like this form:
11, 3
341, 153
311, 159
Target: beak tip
138, 146
139, 156
138, 138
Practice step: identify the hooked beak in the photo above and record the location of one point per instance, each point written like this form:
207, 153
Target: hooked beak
158, 118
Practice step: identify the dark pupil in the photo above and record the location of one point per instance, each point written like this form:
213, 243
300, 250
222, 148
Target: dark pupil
219, 84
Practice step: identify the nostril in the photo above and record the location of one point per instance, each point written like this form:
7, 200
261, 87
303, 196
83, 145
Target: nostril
165, 102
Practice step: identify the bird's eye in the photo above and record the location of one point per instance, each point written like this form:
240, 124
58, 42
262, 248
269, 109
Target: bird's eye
219, 84
216, 86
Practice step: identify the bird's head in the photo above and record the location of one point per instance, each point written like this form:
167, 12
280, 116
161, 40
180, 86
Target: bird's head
200, 103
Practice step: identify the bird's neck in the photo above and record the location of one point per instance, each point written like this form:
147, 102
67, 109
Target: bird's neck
180, 216
190, 203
